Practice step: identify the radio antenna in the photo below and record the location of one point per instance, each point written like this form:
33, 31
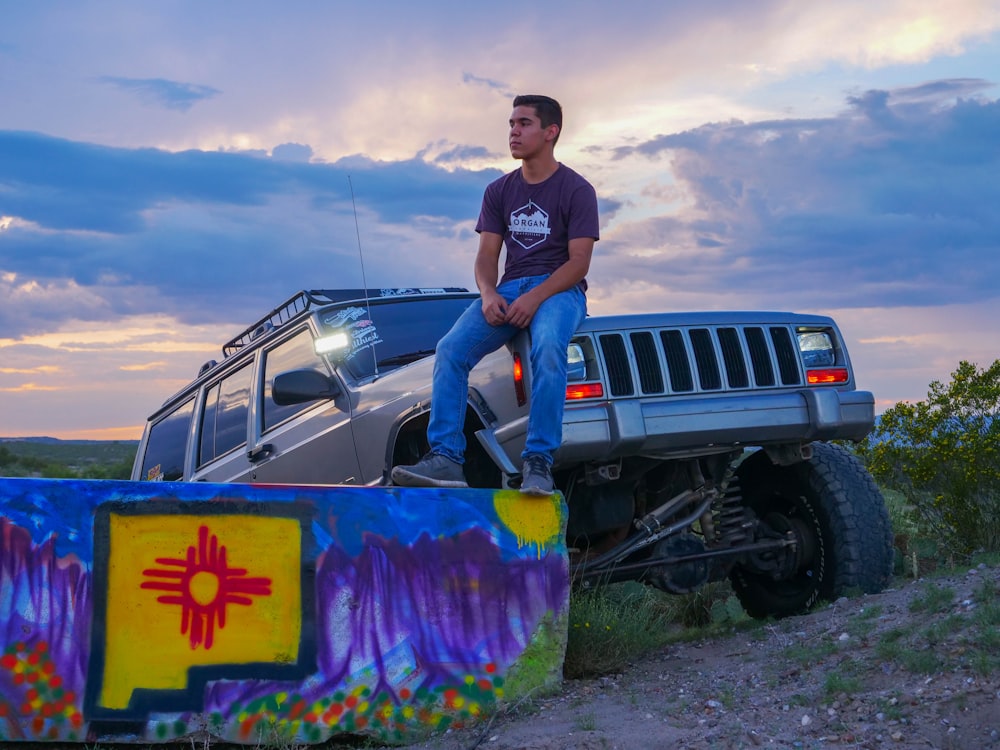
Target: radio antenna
364, 280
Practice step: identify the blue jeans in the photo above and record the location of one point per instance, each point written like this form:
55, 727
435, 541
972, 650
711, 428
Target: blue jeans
472, 338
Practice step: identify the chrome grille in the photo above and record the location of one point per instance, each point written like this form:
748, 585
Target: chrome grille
685, 360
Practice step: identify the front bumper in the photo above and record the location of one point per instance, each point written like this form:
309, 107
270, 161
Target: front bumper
673, 427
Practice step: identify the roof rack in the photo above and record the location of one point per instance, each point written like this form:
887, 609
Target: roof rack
302, 302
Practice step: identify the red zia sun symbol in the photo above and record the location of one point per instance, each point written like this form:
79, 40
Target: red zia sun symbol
204, 585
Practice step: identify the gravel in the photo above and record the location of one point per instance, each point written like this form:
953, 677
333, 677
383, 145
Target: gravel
900, 669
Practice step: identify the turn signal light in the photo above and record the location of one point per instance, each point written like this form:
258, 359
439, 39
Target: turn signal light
584, 390
830, 375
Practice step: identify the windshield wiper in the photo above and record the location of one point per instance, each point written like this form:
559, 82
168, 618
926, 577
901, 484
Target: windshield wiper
405, 359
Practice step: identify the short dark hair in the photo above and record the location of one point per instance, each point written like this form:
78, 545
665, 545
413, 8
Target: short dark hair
547, 109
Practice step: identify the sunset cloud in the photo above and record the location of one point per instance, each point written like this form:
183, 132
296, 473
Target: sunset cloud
171, 172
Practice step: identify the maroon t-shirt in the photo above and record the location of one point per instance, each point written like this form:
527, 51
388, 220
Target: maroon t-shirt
538, 221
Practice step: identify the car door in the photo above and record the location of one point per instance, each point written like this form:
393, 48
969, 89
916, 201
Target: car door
221, 438
306, 443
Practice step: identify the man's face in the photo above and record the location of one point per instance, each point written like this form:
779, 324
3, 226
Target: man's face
527, 136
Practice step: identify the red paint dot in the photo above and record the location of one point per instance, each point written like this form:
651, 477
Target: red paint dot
8, 661
76, 720
41, 647
491, 668
405, 694
47, 709
49, 667
335, 710
32, 676
25, 708
361, 722
19, 679
3, 709
55, 682
33, 658
70, 696
38, 724
351, 701
485, 685
19, 646
32, 694
311, 717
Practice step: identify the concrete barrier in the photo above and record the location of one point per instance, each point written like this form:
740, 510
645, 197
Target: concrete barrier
152, 612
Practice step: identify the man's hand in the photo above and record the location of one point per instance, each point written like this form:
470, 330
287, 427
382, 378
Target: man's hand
523, 309
494, 308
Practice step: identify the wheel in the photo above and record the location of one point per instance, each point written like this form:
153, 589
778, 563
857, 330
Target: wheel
833, 509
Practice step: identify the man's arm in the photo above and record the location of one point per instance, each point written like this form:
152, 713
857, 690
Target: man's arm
570, 273
487, 272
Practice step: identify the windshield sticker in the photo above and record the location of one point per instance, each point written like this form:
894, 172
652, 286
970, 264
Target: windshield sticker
363, 332
364, 335
342, 317
407, 292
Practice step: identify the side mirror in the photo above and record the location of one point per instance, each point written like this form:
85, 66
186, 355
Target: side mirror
299, 386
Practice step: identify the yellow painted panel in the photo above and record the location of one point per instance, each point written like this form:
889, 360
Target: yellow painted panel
190, 590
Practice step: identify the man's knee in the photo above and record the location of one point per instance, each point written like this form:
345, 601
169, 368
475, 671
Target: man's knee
445, 349
549, 352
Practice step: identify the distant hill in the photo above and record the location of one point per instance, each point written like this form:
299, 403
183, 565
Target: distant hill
46, 439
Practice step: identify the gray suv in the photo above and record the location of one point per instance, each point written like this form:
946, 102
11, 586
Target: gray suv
696, 446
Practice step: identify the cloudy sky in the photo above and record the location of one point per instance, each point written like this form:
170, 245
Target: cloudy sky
170, 171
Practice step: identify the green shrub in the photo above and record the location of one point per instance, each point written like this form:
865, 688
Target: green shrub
943, 456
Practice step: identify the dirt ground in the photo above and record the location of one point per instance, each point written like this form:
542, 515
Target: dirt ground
827, 679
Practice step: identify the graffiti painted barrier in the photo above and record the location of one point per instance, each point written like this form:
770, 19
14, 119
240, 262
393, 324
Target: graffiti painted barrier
151, 612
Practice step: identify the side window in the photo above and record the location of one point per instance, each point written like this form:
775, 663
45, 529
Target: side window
224, 421
166, 445
295, 354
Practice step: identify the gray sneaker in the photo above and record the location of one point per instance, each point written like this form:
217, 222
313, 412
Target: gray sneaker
433, 470
536, 477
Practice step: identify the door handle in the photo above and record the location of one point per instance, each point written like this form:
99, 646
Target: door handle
261, 452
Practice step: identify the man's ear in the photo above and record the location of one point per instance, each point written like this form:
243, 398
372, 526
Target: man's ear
552, 132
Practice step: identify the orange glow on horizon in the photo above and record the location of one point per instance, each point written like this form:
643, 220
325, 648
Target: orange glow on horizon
133, 432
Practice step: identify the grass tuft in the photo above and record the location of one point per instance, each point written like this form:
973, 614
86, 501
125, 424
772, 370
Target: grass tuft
935, 600
611, 625
836, 683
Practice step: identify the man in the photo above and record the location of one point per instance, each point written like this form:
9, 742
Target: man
546, 215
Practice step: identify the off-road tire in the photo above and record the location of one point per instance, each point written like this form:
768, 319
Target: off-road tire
835, 504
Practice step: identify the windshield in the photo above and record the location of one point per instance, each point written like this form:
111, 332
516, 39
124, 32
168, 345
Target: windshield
390, 334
